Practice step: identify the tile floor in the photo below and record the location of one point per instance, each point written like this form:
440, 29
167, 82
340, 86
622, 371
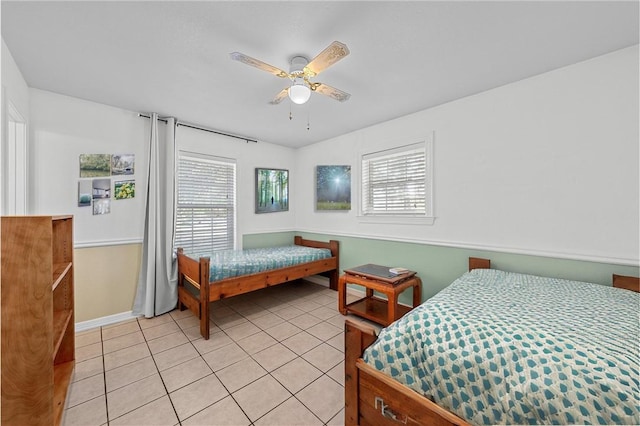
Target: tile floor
275, 357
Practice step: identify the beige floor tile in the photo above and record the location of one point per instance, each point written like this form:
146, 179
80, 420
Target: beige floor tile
85, 390
128, 398
167, 342
216, 341
296, 374
337, 373
289, 413
306, 305
283, 331
337, 420
301, 342
88, 337
324, 331
219, 311
177, 314
188, 322
249, 309
185, 373
330, 301
274, 356
288, 312
121, 342
87, 352
241, 331
224, 356
115, 330
155, 321
223, 413
92, 412
267, 321
155, 413
129, 373
240, 374
260, 397
125, 356
175, 356
193, 333
337, 320
87, 368
120, 323
337, 342
324, 357
305, 321
161, 330
196, 396
230, 320
324, 397
256, 342
324, 312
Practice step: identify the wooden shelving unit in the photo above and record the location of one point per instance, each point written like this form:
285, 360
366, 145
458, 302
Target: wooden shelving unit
38, 348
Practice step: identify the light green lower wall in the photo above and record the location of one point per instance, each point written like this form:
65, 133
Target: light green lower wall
438, 266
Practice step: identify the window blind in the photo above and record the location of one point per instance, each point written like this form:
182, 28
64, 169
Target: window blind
394, 181
205, 211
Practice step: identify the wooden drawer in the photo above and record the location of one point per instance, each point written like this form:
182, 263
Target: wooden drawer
383, 401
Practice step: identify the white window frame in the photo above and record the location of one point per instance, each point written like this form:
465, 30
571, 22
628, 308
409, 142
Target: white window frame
205, 158
427, 218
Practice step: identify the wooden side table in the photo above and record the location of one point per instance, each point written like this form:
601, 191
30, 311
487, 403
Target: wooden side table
374, 308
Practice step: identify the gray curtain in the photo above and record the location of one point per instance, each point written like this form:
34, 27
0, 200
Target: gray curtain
157, 284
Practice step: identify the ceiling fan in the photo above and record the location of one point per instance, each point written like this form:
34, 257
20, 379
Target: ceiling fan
300, 73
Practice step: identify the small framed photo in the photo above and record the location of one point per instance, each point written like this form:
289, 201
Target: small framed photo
123, 164
272, 190
95, 165
124, 190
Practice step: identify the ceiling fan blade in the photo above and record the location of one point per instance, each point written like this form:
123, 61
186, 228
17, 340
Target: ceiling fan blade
331, 92
280, 96
329, 56
237, 56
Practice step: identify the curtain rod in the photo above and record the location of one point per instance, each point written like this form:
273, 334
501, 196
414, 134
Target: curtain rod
192, 126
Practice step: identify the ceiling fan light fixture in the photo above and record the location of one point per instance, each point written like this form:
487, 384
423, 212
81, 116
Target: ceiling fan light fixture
299, 93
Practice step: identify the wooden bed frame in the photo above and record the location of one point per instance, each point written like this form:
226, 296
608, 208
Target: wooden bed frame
373, 398
196, 273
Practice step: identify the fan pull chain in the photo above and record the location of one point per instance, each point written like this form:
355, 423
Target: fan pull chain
290, 115
308, 120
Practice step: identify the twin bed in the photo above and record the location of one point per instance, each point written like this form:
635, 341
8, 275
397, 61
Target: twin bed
207, 277
501, 348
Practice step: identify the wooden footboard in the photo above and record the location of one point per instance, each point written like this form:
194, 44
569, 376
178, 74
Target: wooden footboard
196, 273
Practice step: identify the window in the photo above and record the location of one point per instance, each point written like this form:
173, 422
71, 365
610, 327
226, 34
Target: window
206, 207
397, 182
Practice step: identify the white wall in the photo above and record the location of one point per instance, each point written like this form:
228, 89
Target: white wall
15, 96
62, 128
545, 166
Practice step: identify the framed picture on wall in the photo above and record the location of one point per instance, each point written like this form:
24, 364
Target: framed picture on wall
272, 190
333, 187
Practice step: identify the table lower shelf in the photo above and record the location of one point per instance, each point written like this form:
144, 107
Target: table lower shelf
375, 309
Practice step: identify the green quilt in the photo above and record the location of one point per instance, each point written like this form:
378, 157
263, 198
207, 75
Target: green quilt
502, 348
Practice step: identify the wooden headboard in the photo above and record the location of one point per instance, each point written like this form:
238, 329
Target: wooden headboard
626, 282
479, 263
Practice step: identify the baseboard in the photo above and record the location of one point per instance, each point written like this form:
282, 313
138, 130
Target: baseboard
108, 320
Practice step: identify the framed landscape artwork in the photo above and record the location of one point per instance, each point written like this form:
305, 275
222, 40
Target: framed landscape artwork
272, 190
333, 187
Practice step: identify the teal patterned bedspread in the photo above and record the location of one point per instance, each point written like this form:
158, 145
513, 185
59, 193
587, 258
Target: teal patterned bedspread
233, 263
502, 348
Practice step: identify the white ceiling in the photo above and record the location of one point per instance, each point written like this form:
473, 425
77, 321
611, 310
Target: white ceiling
172, 57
